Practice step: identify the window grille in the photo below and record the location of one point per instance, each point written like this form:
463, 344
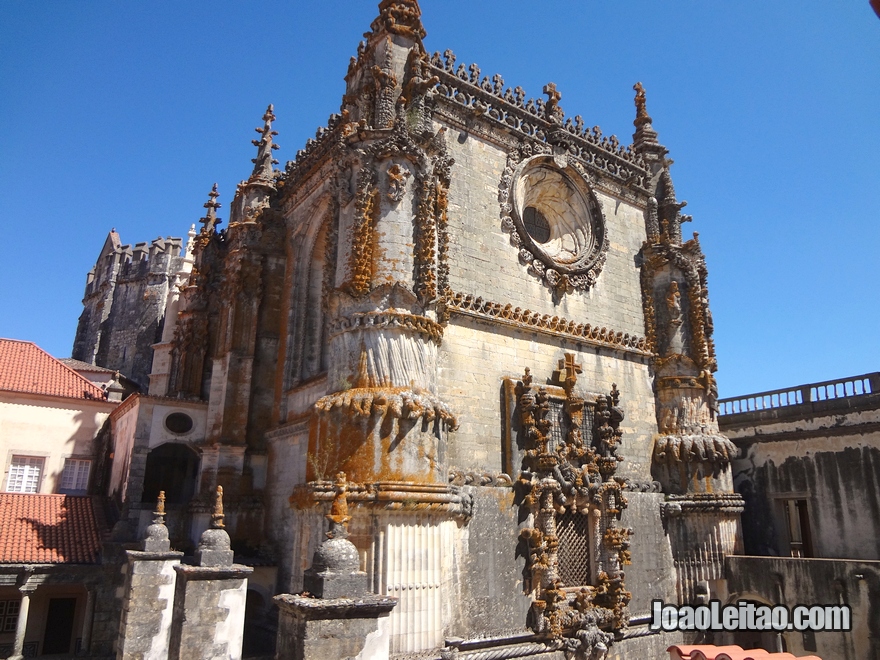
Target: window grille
572, 530
9, 615
75, 477
24, 474
559, 426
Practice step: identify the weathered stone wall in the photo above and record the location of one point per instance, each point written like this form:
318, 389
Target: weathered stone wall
789, 581
827, 453
483, 262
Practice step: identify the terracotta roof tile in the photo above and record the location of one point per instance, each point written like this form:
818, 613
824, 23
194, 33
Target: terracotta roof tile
710, 652
25, 367
50, 529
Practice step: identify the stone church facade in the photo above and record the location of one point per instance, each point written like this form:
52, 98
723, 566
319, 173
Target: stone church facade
484, 314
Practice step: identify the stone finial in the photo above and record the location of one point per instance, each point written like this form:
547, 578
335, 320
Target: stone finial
400, 17
642, 116
210, 221
159, 513
645, 139
217, 516
156, 535
215, 548
338, 515
335, 570
264, 161
552, 111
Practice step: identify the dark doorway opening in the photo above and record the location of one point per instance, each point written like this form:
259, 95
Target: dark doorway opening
59, 625
173, 468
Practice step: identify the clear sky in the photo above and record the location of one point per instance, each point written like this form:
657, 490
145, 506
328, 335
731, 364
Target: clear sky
123, 114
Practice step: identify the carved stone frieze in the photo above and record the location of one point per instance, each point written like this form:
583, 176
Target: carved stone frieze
397, 403
573, 546
558, 326
421, 325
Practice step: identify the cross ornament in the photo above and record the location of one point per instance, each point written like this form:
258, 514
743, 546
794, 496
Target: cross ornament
571, 368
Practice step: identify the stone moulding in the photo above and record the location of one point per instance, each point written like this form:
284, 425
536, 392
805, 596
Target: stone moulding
392, 496
490, 101
400, 403
384, 320
728, 503
475, 306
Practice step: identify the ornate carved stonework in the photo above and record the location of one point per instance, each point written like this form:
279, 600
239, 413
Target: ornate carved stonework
574, 548
553, 218
397, 178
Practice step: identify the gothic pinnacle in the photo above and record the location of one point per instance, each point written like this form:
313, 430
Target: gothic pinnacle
645, 138
264, 161
210, 221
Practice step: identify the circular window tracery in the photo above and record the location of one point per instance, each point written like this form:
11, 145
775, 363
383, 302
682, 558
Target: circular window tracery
556, 221
536, 224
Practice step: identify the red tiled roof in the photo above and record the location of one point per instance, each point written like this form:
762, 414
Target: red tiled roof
710, 652
50, 529
25, 367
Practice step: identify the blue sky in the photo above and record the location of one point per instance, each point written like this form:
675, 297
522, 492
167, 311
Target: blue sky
122, 114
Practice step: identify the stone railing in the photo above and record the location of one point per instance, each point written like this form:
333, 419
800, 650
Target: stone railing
841, 388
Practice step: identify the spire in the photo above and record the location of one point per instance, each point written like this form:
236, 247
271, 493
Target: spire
401, 17
210, 221
645, 138
264, 161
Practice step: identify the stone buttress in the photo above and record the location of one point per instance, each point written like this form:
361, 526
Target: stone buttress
691, 457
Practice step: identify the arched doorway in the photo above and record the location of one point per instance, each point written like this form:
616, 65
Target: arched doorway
174, 468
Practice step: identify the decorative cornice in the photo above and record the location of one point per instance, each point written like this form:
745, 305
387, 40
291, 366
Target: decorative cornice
490, 100
469, 305
383, 320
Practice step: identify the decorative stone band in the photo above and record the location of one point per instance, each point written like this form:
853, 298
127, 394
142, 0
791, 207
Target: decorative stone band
383, 320
508, 108
715, 449
381, 401
459, 477
392, 495
714, 503
469, 305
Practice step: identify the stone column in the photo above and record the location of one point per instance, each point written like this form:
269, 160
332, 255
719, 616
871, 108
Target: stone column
149, 592
335, 617
210, 598
21, 627
86, 634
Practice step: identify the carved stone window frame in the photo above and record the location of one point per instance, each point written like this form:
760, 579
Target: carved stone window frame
582, 271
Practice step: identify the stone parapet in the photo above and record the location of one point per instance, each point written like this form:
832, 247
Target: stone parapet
319, 628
